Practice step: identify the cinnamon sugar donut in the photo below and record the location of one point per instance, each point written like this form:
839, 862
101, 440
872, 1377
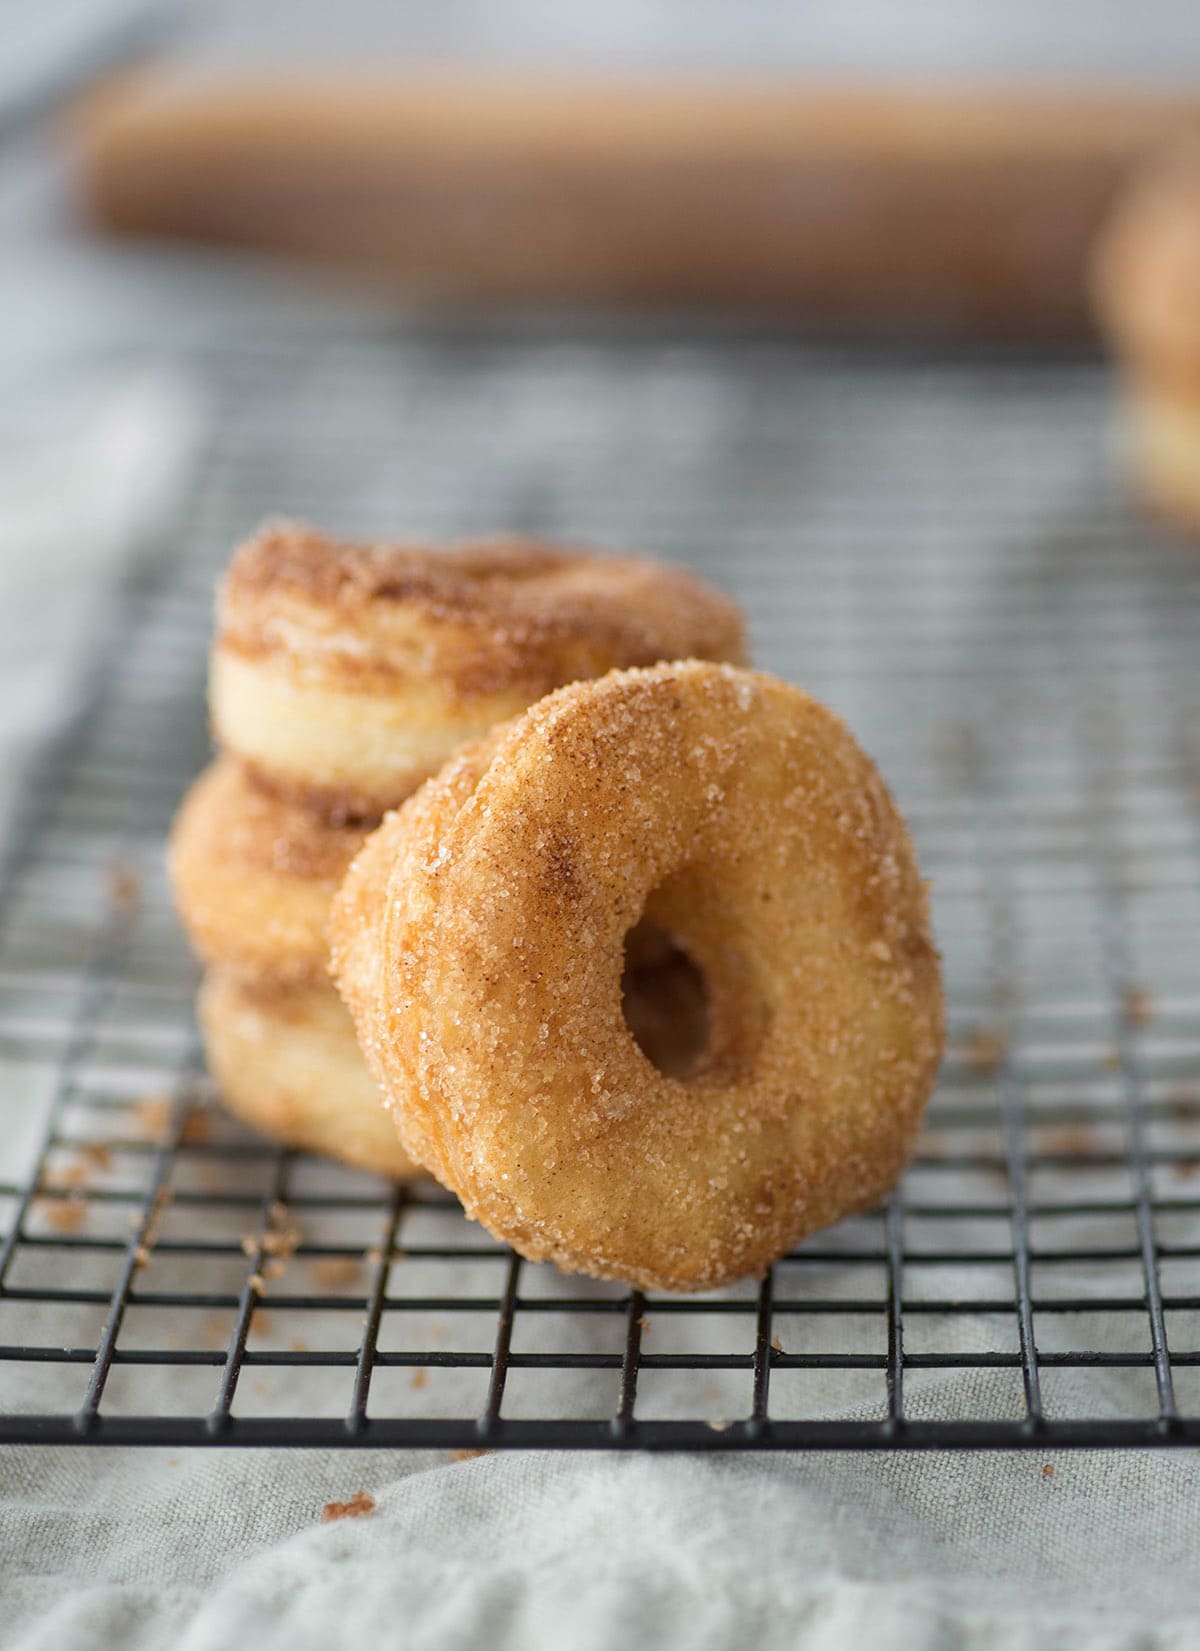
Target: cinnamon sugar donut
1146, 282
344, 674
479, 941
254, 876
286, 1062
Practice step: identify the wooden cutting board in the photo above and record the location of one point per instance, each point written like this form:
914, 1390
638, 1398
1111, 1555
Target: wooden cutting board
953, 211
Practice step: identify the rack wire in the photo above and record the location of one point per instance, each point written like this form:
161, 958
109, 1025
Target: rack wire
939, 548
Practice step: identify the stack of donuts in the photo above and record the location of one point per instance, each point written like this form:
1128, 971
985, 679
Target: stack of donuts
632, 949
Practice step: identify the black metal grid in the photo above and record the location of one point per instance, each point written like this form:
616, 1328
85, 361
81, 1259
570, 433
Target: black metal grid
938, 548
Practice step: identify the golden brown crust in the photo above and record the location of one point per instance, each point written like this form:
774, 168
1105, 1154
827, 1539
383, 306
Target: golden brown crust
348, 672
1146, 268
286, 1062
254, 877
479, 941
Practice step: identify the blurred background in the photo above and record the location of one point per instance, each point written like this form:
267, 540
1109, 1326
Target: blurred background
201, 204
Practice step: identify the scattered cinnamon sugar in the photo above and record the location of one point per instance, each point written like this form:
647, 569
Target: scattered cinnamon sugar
95, 1155
1047, 1470
644, 1324
298, 1344
66, 1177
359, 1506
466, 1454
152, 1228
124, 886
277, 1244
1139, 1006
332, 1270
1185, 1169
153, 1115
261, 1322
214, 1332
258, 1284
419, 1377
65, 1215
1075, 1140
1111, 1060
777, 1344
712, 1391
197, 1127
984, 1049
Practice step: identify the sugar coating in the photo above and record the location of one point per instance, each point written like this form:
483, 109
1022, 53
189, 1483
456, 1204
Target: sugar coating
254, 876
350, 672
479, 942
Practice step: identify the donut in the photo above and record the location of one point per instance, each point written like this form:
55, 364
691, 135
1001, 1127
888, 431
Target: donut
286, 1063
480, 943
254, 877
342, 675
1146, 287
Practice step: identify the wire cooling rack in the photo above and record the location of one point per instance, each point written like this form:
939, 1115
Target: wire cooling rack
942, 551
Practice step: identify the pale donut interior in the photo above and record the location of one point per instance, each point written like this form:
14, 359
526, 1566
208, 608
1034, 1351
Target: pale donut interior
331, 739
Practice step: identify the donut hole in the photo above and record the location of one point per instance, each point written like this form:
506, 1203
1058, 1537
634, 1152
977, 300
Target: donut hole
665, 1001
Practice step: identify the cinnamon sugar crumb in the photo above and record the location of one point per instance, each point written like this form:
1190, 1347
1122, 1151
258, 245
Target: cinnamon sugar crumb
359, 1506
777, 1344
1047, 1470
1069, 1140
1139, 1006
298, 1344
644, 1324
332, 1270
419, 1377
124, 886
197, 1127
152, 1116
466, 1454
95, 1155
65, 1215
984, 1050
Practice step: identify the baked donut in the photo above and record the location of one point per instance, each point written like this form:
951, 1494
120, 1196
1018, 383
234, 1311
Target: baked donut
1146, 283
480, 942
254, 876
344, 674
286, 1062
